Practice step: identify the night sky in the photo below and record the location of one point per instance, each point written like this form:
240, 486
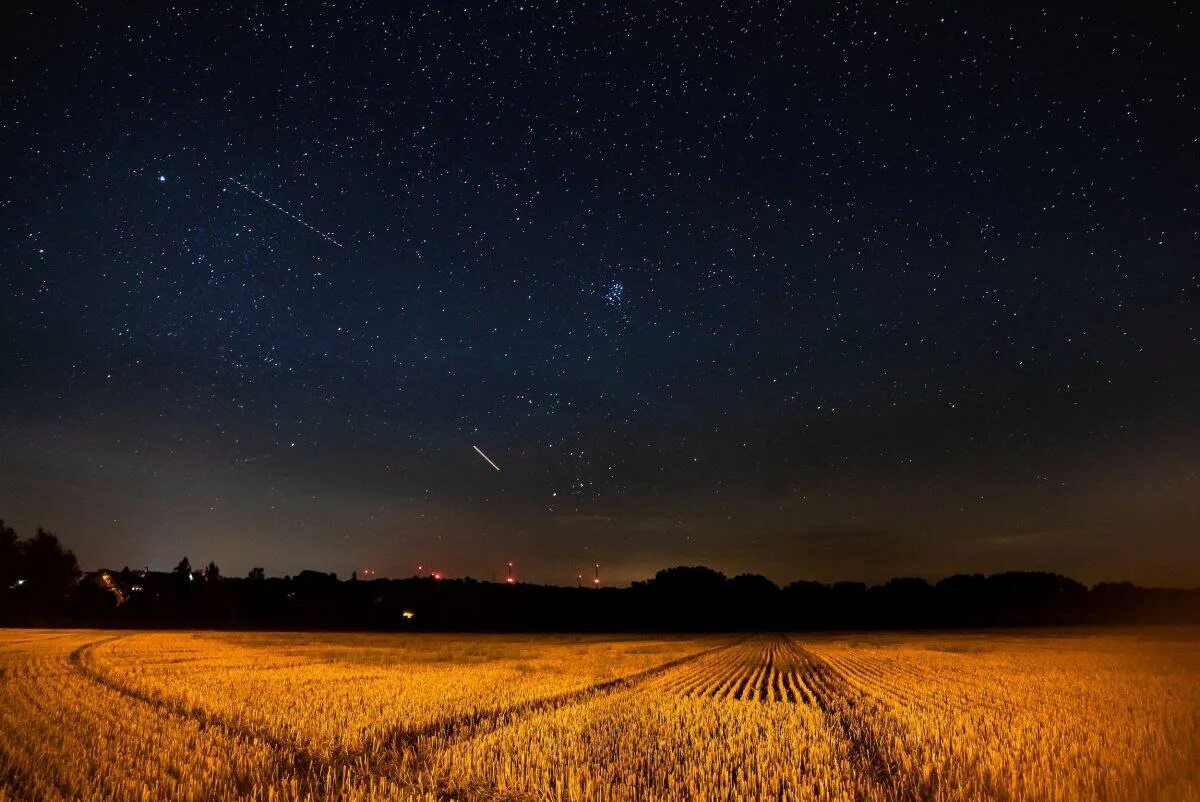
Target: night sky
835, 293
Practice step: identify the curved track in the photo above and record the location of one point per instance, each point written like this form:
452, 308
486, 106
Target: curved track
773, 670
400, 757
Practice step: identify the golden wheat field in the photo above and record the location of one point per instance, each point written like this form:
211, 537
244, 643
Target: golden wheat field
1089, 714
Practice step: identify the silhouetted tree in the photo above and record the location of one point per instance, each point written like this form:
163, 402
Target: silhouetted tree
687, 580
1035, 597
962, 599
184, 568
45, 560
901, 601
753, 601
692, 595
212, 573
806, 603
49, 571
307, 578
753, 585
847, 605
257, 574
9, 562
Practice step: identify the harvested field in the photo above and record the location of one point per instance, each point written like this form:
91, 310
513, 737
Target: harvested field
198, 716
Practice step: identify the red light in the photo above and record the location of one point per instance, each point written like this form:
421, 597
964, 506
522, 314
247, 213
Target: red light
511, 581
437, 574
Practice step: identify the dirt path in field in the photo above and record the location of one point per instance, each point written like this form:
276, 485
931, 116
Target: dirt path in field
860, 720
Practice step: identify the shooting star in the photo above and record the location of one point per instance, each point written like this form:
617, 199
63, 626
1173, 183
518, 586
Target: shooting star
486, 457
282, 210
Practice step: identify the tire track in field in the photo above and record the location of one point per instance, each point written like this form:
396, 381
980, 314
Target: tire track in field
315, 774
454, 729
413, 742
859, 719
79, 661
399, 757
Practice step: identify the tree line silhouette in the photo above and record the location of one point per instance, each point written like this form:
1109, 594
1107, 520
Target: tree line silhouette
41, 584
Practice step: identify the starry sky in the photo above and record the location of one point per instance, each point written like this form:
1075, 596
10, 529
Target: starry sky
818, 291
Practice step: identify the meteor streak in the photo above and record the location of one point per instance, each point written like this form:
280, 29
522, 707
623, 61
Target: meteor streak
486, 457
282, 210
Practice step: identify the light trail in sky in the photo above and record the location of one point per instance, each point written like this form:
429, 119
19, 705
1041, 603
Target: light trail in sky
284, 211
486, 457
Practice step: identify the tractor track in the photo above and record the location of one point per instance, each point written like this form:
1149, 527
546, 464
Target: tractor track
414, 742
308, 767
859, 719
778, 670
454, 729
398, 758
